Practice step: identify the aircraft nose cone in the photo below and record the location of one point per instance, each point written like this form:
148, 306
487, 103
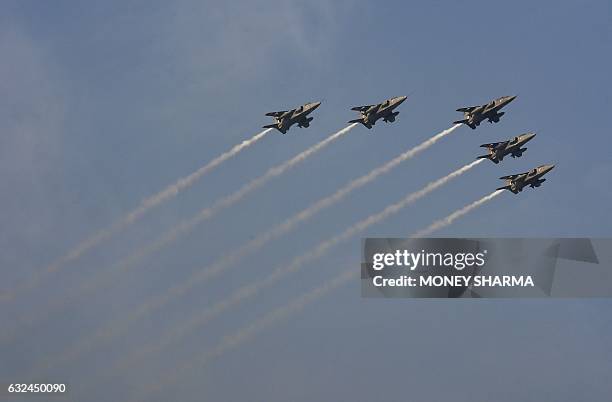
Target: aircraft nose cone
510, 98
528, 136
548, 168
309, 107
400, 99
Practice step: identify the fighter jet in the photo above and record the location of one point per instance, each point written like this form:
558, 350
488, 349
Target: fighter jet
370, 113
533, 178
284, 119
474, 115
513, 147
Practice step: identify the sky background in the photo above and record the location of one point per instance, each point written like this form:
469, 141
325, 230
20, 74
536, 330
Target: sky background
105, 103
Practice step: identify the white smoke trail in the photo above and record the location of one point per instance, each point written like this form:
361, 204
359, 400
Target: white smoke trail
305, 214
244, 334
180, 229
275, 232
185, 182
253, 288
296, 305
439, 224
253, 185
315, 208
148, 203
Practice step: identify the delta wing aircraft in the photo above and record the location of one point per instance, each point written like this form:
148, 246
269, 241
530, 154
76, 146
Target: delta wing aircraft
284, 119
474, 115
513, 147
533, 178
369, 114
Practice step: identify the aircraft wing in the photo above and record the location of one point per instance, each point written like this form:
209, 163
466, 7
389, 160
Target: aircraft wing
467, 109
494, 145
513, 176
361, 108
276, 114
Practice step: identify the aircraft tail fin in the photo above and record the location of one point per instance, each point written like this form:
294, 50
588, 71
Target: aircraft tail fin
489, 157
274, 126
508, 187
466, 122
368, 125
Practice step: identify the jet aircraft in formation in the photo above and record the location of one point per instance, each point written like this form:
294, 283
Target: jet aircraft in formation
512, 147
532, 178
474, 115
284, 119
369, 114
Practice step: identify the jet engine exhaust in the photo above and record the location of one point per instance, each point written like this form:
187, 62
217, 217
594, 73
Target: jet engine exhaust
290, 223
147, 204
108, 276
252, 289
285, 311
439, 224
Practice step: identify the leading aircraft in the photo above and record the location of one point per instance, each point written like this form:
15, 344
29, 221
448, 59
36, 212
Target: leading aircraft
533, 178
513, 147
284, 119
370, 113
474, 115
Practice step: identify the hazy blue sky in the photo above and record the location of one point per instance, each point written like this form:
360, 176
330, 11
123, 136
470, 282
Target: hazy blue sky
104, 103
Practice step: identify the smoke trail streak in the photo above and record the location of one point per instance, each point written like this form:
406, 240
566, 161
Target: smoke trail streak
148, 203
305, 214
244, 334
237, 338
252, 289
253, 185
439, 224
290, 223
176, 232
275, 232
